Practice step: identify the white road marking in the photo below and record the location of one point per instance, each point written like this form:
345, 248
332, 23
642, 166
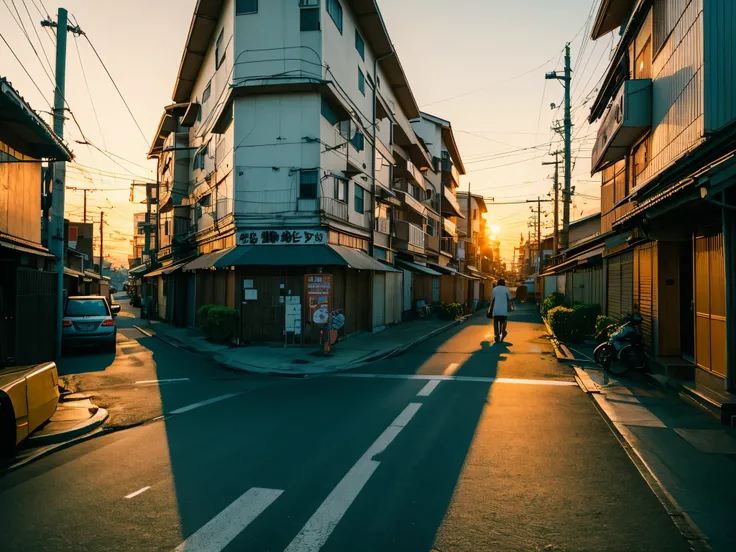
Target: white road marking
228, 524
162, 381
427, 389
319, 527
138, 492
184, 409
518, 381
451, 368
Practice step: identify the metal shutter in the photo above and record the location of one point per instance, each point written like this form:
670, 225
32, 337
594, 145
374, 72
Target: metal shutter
645, 290
627, 283
614, 287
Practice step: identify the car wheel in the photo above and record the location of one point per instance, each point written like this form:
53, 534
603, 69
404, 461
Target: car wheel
110, 347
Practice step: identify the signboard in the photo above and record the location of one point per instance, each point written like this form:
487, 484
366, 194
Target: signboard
318, 292
276, 236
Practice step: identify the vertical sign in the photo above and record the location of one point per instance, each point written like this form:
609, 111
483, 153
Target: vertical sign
318, 291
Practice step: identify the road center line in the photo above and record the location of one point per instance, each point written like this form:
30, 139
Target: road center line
138, 492
228, 524
518, 381
427, 389
184, 409
162, 381
319, 527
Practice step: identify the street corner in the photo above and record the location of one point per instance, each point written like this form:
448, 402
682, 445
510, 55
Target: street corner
73, 418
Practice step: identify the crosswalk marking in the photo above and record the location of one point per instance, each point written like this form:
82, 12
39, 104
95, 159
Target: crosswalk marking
228, 524
319, 527
427, 389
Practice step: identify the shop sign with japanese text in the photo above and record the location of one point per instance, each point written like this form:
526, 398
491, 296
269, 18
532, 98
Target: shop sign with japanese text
282, 237
318, 291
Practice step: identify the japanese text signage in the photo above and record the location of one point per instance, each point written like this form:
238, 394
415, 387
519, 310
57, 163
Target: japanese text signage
318, 291
282, 237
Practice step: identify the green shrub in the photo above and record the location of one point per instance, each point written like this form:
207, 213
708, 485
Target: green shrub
521, 293
604, 327
562, 321
450, 312
586, 315
223, 323
203, 319
550, 302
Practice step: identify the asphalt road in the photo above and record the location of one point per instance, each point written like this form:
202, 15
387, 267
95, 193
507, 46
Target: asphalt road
460, 444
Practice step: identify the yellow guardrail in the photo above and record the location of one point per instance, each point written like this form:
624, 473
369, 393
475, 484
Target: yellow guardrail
28, 398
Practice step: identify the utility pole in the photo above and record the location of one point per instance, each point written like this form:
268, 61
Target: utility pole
540, 256
566, 80
556, 233
102, 242
85, 205
56, 224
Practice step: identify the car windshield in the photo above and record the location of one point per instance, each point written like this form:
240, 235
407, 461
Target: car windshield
86, 307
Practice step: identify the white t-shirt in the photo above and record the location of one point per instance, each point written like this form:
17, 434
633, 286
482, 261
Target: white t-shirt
501, 297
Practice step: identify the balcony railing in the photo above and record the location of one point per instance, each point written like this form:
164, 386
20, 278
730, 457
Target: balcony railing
334, 208
449, 203
409, 237
461, 251
449, 246
449, 168
450, 227
432, 243
415, 174
413, 203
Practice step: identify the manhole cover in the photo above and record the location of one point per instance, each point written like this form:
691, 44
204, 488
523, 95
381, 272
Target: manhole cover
299, 361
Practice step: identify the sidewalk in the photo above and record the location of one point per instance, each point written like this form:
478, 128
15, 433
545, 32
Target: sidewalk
345, 355
686, 451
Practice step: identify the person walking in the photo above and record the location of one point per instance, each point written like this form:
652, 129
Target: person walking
499, 309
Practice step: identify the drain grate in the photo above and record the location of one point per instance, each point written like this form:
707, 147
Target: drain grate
300, 361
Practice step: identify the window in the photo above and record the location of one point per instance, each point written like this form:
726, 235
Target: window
361, 82
335, 10
199, 113
219, 50
360, 45
207, 93
341, 189
358, 141
359, 193
666, 15
308, 180
328, 113
641, 158
205, 200
166, 228
199, 157
643, 63
246, 6
475, 214
309, 19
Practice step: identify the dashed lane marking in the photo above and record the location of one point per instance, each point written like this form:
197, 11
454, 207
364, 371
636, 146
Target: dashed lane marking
184, 409
517, 381
138, 492
173, 380
427, 389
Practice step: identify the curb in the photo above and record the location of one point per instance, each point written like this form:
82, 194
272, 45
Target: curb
83, 428
366, 359
174, 343
684, 524
561, 352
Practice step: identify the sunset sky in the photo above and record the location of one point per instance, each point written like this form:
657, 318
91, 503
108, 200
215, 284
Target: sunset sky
478, 63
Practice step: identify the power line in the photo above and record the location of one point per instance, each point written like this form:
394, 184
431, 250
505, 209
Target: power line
89, 92
117, 89
508, 164
26, 71
40, 42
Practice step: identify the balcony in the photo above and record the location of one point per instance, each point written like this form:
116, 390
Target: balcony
450, 227
461, 251
383, 225
627, 119
449, 168
334, 208
448, 246
412, 203
409, 237
432, 243
415, 175
450, 206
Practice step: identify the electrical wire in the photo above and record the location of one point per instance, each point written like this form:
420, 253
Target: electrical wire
40, 42
89, 92
26, 71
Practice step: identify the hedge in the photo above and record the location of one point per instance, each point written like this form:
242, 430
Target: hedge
604, 327
550, 302
451, 311
218, 323
572, 324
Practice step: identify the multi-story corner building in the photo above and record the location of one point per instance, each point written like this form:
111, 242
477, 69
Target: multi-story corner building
666, 150
472, 228
288, 151
28, 281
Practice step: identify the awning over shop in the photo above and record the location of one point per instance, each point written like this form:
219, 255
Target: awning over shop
40, 251
583, 258
71, 272
301, 255
477, 273
166, 270
616, 244
446, 270
419, 269
137, 271
208, 260
467, 276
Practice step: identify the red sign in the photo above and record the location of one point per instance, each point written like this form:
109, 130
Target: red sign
318, 292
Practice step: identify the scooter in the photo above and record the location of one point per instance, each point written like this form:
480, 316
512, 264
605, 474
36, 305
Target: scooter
624, 350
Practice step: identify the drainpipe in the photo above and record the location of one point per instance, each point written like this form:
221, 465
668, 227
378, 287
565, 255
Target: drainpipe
371, 243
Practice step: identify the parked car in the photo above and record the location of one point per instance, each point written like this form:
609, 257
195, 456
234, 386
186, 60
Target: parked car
28, 397
89, 321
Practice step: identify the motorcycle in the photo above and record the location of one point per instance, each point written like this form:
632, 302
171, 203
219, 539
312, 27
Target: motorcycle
624, 350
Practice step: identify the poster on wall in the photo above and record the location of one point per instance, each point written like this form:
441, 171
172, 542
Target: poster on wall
318, 292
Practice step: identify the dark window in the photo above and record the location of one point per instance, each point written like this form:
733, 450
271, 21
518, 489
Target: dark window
219, 50
359, 193
86, 307
199, 157
335, 10
246, 6
359, 44
361, 82
205, 200
358, 141
308, 181
207, 93
309, 19
329, 113
199, 114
